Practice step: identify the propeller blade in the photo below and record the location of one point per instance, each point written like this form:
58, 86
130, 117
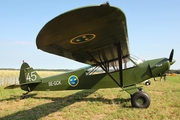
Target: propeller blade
171, 55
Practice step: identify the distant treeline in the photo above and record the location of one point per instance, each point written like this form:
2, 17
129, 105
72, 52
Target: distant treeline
175, 71
66, 70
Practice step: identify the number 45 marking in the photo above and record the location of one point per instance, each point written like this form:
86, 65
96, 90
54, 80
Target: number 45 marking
31, 76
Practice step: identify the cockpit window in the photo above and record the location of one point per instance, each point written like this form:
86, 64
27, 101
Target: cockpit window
112, 66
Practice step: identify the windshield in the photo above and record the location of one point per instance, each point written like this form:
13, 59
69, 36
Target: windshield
136, 60
131, 61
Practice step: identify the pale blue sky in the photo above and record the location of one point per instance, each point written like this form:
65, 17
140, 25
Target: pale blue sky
153, 30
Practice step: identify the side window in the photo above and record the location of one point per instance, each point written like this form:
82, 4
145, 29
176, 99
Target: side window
93, 70
128, 63
112, 66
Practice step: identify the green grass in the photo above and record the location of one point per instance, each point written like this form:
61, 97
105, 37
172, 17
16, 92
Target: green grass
106, 104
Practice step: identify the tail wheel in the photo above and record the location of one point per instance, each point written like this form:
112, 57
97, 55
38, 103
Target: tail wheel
140, 100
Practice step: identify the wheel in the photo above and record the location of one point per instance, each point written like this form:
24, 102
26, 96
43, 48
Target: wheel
22, 97
140, 100
147, 82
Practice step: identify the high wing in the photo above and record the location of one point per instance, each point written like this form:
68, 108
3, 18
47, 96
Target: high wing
95, 30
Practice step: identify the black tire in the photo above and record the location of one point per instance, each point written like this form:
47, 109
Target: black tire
22, 97
140, 100
147, 82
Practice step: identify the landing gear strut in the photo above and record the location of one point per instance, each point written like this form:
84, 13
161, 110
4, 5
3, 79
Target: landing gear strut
140, 100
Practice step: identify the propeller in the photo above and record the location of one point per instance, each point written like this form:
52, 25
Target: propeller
171, 55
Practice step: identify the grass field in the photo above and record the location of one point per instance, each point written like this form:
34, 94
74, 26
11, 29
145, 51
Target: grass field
105, 104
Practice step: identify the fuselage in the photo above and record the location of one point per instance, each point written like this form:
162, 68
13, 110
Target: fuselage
79, 79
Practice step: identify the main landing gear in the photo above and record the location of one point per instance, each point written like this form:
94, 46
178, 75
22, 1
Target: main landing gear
140, 99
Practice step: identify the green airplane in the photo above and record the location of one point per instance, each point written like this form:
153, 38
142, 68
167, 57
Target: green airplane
97, 36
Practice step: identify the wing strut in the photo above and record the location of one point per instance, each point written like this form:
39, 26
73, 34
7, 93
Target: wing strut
120, 65
118, 45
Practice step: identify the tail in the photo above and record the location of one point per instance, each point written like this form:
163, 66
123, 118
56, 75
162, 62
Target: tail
28, 75
28, 78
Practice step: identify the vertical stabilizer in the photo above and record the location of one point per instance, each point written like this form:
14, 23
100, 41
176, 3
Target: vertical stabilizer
28, 78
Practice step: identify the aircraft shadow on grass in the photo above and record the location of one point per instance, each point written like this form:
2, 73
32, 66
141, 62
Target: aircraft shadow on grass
58, 104
16, 97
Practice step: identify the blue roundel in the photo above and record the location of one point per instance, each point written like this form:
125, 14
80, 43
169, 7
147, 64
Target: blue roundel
82, 38
73, 80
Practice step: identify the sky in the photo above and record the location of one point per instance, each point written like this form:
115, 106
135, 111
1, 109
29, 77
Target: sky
153, 30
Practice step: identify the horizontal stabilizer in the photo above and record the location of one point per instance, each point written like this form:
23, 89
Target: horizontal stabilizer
12, 86
16, 86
